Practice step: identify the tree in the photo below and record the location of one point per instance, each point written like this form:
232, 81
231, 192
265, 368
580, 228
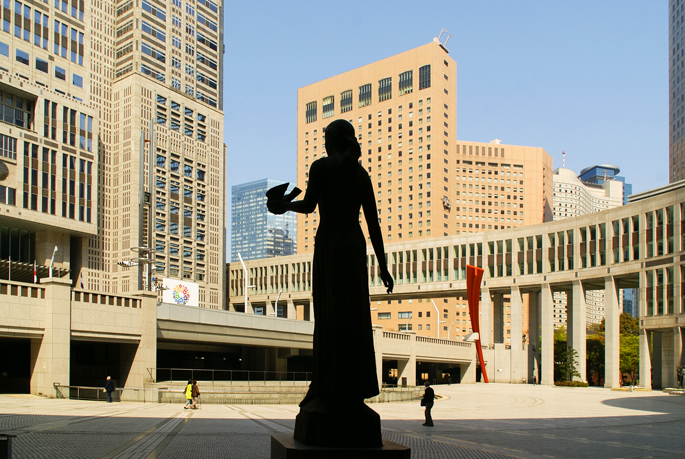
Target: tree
628, 325
560, 351
630, 355
569, 366
594, 353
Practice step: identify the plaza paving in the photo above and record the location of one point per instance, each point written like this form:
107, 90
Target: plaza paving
471, 421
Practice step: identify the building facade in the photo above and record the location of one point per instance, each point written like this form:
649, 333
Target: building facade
676, 91
574, 197
112, 140
428, 183
255, 232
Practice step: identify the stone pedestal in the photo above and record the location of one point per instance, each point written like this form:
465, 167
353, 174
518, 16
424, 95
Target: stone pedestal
337, 423
286, 447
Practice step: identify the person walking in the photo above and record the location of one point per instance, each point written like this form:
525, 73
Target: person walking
428, 397
195, 392
109, 388
189, 395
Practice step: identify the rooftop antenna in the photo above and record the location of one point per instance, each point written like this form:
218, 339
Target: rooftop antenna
563, 161
439, 39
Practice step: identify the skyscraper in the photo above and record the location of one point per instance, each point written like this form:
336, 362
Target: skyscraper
676, 90
428, 183
255, 232
112, 139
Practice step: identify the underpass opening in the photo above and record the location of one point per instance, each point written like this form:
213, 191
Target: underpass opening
15, 365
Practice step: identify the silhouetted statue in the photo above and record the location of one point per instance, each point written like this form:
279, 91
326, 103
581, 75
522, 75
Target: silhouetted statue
334, 413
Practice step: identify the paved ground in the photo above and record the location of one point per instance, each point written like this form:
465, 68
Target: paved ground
472, 421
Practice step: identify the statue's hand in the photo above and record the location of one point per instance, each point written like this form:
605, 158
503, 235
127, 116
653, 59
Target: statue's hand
277, 207
387, 280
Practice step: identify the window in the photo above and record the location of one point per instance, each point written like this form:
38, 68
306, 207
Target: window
202, 78
404, 315
176, 83
364, 95
385, 89
310, 114
175, 62
406, 82
200, 175
190, 50
4, 49
153, 31
328, 107
175, 42
22, 57
384, 315
201, 19
346, 101
209, 4
187, 170
211, 44
425, 77
77, 80
41, 65
211, 63
153, 73
152, 52
154, 10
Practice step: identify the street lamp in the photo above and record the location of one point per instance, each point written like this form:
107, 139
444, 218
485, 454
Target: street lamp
52, 260
437, 311
245, 276
448, 331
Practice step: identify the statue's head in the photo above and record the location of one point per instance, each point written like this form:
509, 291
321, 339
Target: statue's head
340, 137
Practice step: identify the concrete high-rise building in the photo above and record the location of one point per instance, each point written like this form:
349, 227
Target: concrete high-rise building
107, 105
428, 183
255, 232
676, 91
572, 198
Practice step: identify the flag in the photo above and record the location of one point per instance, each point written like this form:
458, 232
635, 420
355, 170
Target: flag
35, 279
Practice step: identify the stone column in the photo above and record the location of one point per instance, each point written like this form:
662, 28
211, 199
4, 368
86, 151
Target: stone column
645, 359
577, 327
547, 332
270, 309
533, 334
378, 349
486, 317
50, 357
498, 318
516, 319
611, 333
311, 310
657, 359
407, 368
145, 356
290, 312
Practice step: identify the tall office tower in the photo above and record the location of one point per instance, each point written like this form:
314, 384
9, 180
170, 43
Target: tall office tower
427, 183
96, 120
255, 232
676, 90
572, 198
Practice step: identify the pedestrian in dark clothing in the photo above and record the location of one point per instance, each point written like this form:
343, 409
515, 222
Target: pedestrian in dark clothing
195, 394
109, 388
428, 397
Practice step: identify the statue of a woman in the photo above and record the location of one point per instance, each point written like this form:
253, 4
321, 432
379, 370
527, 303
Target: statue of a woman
334, 413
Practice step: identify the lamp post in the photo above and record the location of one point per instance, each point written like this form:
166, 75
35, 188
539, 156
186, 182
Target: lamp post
245, 276
437, 311
448, 331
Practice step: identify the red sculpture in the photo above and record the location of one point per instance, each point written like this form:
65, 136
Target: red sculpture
474, 275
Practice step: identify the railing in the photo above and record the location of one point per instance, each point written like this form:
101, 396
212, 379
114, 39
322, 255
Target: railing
392, 335
427, 339
87, 392
249, 376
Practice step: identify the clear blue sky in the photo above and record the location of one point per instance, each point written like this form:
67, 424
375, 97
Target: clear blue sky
586, 77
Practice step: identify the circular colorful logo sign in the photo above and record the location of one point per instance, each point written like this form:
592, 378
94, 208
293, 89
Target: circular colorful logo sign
181, 294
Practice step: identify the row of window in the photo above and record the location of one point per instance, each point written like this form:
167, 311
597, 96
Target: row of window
365, 94
76, 127
41, 65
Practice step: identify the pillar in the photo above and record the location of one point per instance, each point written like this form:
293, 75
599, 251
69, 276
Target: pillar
611, 334
145, 356
290, 311
657, 359
498, 318
407, 368
645, 359
378, 349
577, 327
516, 319
486, 317
311, 311
50, 357
547, 332
533, 335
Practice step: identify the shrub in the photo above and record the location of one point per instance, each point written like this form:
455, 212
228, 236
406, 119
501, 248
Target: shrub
571, 383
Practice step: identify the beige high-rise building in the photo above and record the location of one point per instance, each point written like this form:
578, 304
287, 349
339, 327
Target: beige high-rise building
92, 90
428, 183
676, 91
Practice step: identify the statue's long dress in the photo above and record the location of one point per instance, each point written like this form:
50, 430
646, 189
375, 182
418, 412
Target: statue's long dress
344, 358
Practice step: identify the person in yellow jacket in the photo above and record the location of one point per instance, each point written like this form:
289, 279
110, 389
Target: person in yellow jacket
189, 395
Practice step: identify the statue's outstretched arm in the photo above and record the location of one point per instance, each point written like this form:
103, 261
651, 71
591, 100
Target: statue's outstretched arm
371, 216
311, 196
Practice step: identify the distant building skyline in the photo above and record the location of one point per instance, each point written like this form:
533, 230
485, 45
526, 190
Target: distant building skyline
256, 233
597, 175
